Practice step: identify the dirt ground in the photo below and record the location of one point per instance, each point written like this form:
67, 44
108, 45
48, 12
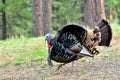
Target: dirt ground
100, 68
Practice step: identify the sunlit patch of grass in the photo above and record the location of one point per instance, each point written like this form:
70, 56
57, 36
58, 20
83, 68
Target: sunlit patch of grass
38, 59
18, 50
83, 60
84, 72
1, 65
19, 61
39, 71
23, 45
116, 28
4, 64
43, 78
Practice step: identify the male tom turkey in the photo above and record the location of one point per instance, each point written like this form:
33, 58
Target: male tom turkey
73, 42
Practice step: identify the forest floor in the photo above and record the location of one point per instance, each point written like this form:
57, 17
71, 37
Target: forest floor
105, 66
101, 68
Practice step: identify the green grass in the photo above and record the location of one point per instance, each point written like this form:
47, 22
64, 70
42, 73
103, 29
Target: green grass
84, 72
18, 61
83, 60
116, 29
39, 71
17, 51
43, 78
4, 64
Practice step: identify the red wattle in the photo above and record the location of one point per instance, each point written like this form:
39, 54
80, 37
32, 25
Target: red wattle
49, 44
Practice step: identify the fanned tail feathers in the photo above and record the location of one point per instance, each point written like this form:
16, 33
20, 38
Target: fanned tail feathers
106, 33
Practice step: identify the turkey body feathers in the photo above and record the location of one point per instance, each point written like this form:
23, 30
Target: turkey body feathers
62, 44
61, 54
73, 42
71, 35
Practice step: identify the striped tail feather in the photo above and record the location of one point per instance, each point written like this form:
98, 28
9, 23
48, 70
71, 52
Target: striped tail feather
106, 33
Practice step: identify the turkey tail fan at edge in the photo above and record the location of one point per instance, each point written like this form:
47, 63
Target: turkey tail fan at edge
106, 33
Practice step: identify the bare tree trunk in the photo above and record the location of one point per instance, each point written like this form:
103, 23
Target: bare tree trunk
46, 16
4, 33
94, 11
37, 18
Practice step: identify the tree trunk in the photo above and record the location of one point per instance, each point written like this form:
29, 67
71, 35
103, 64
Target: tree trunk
37, 18
94, 11
4, 36
46, 16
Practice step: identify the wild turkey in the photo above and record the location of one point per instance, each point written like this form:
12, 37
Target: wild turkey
73, 42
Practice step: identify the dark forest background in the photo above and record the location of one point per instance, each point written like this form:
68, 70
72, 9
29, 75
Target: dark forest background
37, 17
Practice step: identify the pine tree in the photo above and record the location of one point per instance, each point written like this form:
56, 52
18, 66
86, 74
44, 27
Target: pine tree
46, 16
37, 18
94, 11
4, 22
